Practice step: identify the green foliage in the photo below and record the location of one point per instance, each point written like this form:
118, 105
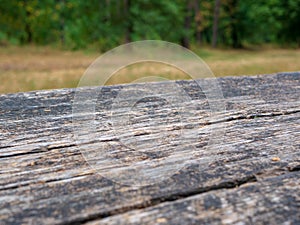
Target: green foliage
157, 19
105, 24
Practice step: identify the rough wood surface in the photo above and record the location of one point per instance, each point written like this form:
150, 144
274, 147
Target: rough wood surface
254, 177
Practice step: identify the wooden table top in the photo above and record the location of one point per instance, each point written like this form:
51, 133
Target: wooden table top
252, 176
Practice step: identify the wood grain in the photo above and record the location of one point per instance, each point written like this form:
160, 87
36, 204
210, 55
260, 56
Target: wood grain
252, 178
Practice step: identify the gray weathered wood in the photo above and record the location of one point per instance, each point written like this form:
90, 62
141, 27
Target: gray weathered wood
252, 179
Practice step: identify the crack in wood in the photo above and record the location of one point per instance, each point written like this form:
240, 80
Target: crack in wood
294, 168
172, 197
42, 149
179, 196
253, 116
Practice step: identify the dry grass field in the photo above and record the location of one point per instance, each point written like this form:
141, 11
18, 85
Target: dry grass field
32, 68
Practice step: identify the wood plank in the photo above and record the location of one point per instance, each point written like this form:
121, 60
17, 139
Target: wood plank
45, 179
274, 200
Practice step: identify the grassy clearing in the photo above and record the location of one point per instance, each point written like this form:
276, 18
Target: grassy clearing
31, 68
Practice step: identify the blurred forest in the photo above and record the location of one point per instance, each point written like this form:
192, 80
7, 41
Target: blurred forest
104, 24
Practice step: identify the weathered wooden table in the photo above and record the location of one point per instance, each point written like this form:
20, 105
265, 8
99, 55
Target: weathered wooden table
253, 178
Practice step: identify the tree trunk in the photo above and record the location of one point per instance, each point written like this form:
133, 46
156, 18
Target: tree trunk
28, 38
62, 22
129, 28
236, 41
198, 20
107, 2
185, 41
216, 22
